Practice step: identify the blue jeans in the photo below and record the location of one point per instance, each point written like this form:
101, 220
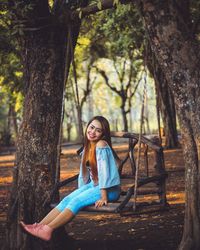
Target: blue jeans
86, 196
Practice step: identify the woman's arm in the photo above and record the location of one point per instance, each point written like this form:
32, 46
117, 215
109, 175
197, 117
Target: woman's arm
103, 200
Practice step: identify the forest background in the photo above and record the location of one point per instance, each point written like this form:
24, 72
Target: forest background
111, 73
148, 41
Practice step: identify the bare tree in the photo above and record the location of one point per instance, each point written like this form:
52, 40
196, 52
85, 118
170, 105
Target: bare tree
126, 90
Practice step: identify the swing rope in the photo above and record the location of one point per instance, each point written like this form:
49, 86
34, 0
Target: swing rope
139, 140
69, 53
157, 99
158, 115
77, 98
66, 69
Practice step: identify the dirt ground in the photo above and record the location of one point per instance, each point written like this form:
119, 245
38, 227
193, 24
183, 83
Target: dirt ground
158, 230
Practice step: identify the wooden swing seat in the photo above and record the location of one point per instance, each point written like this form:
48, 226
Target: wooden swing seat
125, 202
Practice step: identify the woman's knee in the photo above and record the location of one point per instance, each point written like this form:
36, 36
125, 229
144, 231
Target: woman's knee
75, 205
63, 204
114, 195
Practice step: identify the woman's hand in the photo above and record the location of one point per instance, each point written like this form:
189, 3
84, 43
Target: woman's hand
101, 202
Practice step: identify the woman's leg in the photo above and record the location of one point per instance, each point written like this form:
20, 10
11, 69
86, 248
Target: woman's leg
44, 231
66, 200
63, 218
50, 216
61, 206
113, 194
41, 229
85, 198
56, 217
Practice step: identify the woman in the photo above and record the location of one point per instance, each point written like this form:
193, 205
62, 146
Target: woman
98, 181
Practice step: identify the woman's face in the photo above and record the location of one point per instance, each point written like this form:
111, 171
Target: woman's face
94, 131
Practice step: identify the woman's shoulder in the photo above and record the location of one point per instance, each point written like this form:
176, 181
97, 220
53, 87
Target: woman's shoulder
101, 144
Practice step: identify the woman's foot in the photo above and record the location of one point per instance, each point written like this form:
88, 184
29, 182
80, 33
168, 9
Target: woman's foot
29, 225
43, 232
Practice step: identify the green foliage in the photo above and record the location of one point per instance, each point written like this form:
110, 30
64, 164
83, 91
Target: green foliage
11, 68
123, 40
116, 38
11, 86
111, 37
15, 16
99, 5
195, 13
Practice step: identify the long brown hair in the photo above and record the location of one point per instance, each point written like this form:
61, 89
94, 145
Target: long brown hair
92, 147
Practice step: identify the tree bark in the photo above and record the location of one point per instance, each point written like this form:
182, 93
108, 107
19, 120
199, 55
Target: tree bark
175, 48
168, 113
167, 108
124, 116
44, 60
165, 101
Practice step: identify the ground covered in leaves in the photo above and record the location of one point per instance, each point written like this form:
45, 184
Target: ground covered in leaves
150, 231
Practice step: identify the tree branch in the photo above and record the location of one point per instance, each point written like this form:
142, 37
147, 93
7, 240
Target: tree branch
93, 8
123, 70
117, 71
129, 79
122, 73
89, 85
135, 89
103, 74
133, 93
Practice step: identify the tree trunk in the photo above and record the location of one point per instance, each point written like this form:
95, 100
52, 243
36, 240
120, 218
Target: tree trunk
165, 102
168, 113
44, 58
125, 121
90, 106
167, 108
175, 49
14, 121
69, 128
124, 113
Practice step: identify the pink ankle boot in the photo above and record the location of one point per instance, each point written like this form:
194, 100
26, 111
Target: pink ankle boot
43, 232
